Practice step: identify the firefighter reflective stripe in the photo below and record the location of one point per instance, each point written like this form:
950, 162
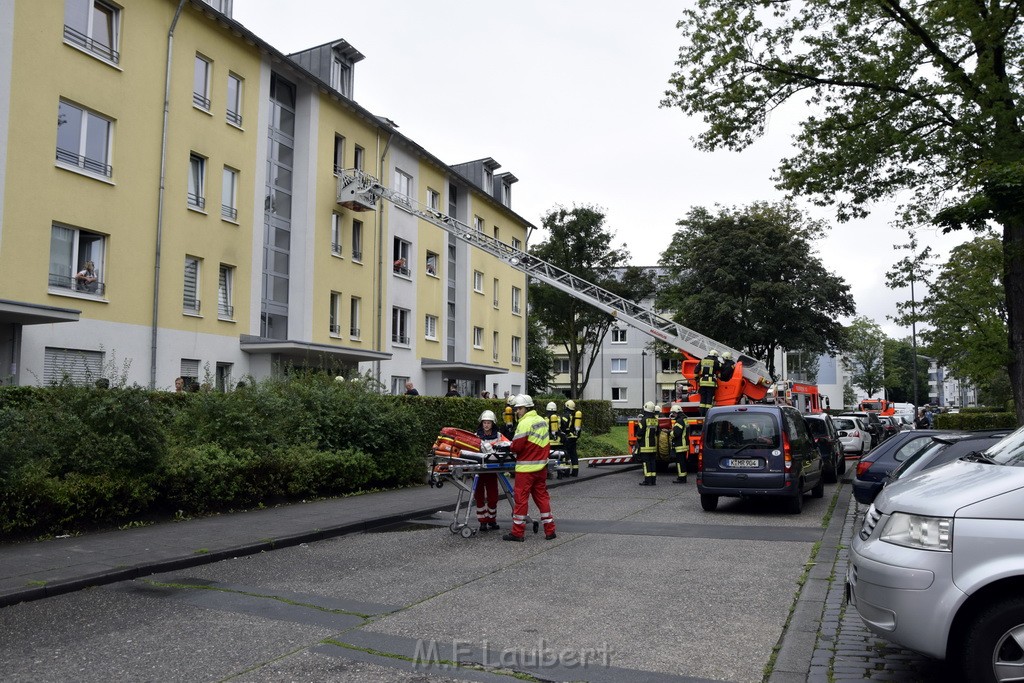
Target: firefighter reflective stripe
548, 521
531, 444
649, 435
518, 524
707, 372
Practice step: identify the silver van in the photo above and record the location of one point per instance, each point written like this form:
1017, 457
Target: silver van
938, 566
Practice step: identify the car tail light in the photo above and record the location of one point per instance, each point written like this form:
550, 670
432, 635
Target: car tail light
787, 456
856, 433
862, 468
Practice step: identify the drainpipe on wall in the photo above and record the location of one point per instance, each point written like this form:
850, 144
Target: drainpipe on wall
160, 200
380, 254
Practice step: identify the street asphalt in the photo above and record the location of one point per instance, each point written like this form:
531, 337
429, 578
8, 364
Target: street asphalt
822, 640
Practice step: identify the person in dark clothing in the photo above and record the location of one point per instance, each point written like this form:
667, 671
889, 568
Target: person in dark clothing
680, 442
728, 367
648, 442
708, 371
572, 427
410, 390
452, 391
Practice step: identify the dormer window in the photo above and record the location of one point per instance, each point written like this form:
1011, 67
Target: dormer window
506, 194
488, 180
341, 76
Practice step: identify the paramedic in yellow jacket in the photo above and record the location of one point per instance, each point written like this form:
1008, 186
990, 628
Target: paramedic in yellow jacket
532, 450
572, 427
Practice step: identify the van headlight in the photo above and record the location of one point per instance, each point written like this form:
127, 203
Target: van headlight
918, 531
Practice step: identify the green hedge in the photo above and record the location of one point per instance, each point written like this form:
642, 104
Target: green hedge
971, 421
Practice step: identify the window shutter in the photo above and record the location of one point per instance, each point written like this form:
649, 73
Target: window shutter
80, 367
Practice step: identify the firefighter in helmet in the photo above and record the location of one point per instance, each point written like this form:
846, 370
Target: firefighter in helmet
707, 380
555, 432
680, 442
648, 443
486, 494
728, 367
572, 426
509, 418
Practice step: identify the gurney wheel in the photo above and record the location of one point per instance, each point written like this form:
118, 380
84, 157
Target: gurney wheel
439, 484
467, 532
536, 527
453, 527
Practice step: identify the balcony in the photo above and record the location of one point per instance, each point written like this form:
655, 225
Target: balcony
196, 201
191, 305
93, 166
400, 339
69, 283
336, 248
228, 212
225, 311
201, 101
357, 254
86, 43
336, 329
353, 332
234, 118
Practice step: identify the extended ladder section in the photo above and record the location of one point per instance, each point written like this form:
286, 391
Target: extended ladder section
360, 191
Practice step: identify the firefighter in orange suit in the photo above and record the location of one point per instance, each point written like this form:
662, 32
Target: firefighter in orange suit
532, 448
487, 484
708, 372
680, 442
572, 427
648, 443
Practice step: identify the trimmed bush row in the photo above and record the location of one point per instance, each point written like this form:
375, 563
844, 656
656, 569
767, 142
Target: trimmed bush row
969, 421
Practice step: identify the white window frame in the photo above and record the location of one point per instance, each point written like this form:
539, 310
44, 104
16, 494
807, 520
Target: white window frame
79, 366
400, 326
354, 312
620, 394
497, 289
619, 335
233, 108
357, 241
478, 224
619, 365
495, 339
430, 327
202, 69
339, 154
403, 187
488, 181
432, 264
433, 199
517, 350
79, 159
336, 249
478, 281
506, 194
517, 243
402, 254
478, 337
561, 366
87, 40
225, 292
229, 195
68, 255
358, 157
517, 301
191, 304
334, 315
196, 182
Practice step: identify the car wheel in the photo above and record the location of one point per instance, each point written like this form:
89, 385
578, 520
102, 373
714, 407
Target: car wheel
994, 645
842, 464
708, 502
796, 503
819, 489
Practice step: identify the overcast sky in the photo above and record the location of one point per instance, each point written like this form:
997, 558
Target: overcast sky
564, 95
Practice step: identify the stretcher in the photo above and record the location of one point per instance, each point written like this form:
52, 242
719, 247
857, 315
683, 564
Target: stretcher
459, 457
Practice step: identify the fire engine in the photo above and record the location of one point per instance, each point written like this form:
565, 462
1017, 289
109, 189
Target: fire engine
877, 405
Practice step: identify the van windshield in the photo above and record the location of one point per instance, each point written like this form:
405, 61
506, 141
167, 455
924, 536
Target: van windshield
1009, 451
742, 429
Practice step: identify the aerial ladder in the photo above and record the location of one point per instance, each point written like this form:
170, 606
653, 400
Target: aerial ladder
359, 191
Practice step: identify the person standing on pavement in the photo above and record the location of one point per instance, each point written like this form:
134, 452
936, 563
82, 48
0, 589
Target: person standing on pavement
708, 371
555, 431
680, 442
486, 494
572, 427
648, 442
509, 418
532, 449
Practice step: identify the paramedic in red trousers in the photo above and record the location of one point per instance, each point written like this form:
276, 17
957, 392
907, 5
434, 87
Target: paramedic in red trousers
648, 443
708, 372
531, 448
487, 484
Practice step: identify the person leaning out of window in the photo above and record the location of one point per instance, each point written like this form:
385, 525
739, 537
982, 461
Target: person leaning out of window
86, 278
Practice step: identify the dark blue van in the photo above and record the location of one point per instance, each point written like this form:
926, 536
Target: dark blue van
758, 450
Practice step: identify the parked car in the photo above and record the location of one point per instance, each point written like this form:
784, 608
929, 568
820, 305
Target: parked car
873, 468
938, 565
826, 438
853, 435
873, 424
758, 451
890, 426
944, 449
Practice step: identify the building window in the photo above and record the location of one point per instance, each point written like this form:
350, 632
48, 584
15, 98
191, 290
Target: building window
671, 365
619, 365
76, 260
517, 350
432, 259
478, 282
340, 76
190, 300
336, 234
189, 369
497, 288
619, 394
357, 241
478, 224
229, 195
478, 337
561, 366
433, 199
430, 327
83, 139
618, 335
93, 26
225, 292
506, 194
494, 346
517, 296
196, 181
339, 154
398, 385
400, 326
234, 109
201, 83
488, 181
357, 157
517, 243
74, 366
335, 314
224, 377
353, 318
222, 6
401, 253
403, 186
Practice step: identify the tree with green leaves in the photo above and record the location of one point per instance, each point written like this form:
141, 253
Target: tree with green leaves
540, 361
865, 354
893, 94
749, 277
579, 242
899, 372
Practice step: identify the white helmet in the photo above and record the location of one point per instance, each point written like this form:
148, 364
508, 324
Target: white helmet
523, 401
570, 404
650, 407
676, 408
551, 407
511, 400
727, 355
712, 352
488, 415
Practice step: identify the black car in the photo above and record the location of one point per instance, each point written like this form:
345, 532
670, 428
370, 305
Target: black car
873, 468
944, 449
890, 427
826, 438
752, 451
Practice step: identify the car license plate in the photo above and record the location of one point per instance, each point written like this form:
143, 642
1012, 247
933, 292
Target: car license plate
744, 462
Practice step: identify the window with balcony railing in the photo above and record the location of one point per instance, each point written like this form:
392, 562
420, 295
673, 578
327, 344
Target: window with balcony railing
353, 332
94, 26
201, 83
335, 329
83, 139
229, 212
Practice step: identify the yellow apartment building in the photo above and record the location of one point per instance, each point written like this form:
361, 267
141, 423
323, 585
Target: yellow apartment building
169, 206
